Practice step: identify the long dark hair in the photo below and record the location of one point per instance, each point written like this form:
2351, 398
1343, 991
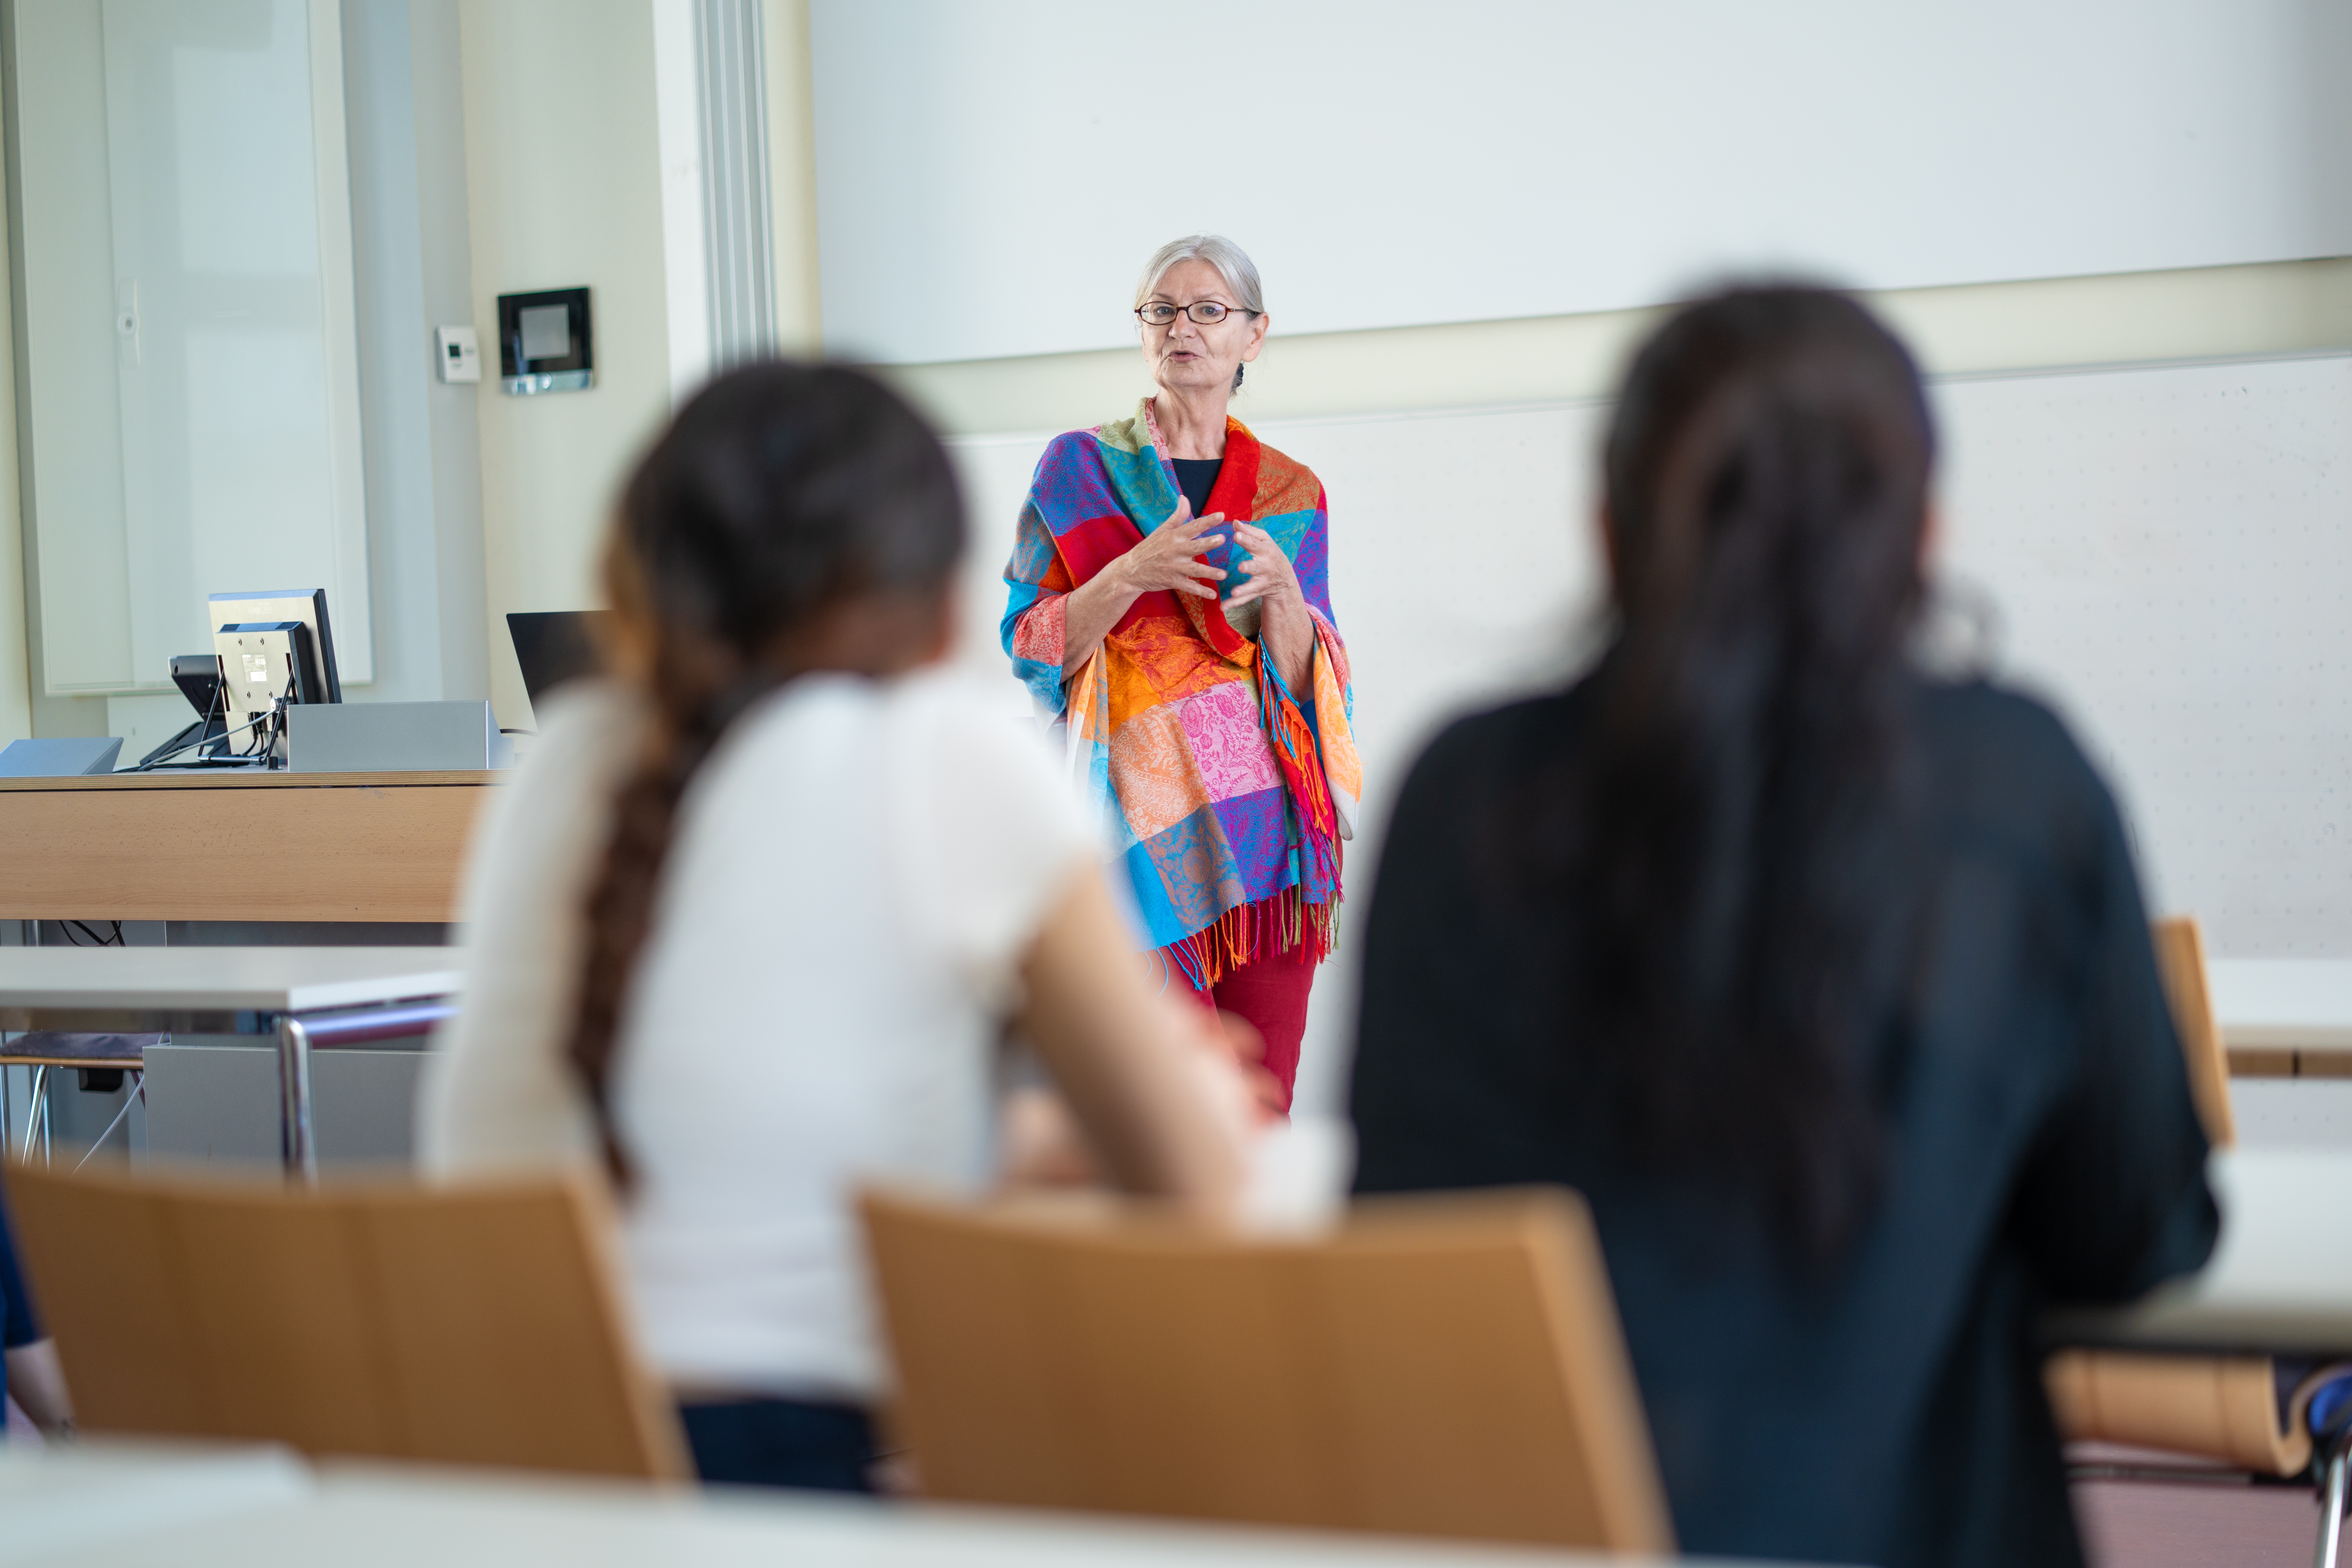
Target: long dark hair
1732, 828
780, 492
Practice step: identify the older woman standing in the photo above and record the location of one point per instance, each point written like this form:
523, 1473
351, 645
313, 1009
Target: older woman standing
1171, 604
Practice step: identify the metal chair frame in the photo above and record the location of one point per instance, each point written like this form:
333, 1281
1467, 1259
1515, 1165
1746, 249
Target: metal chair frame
40, 1092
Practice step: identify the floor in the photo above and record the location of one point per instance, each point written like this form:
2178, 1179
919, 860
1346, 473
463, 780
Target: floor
2146, 1524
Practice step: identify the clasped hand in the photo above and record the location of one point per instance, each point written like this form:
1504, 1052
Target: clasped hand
1271, 577
1169, 558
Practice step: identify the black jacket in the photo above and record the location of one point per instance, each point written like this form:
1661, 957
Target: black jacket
1888, 1409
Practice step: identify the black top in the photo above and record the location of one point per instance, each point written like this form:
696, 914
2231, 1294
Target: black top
1887, 1408
1196, 477
18, 1324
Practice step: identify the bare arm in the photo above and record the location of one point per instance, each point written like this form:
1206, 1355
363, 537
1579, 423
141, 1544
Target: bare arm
37, 1382
1166, 558
1289, 635
1149, 1100
1090, 611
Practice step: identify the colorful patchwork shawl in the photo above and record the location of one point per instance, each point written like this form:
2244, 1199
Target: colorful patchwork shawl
1227, 793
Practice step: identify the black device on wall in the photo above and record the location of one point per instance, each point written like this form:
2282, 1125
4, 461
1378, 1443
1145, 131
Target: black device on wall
545, 343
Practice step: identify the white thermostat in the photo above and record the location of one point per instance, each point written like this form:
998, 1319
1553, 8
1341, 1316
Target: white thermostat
460, 356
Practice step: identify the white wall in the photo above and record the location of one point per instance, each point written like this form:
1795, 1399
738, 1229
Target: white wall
405, 95
2165, 549
792, 170
65, 284
564, 188
989, 176
15, 665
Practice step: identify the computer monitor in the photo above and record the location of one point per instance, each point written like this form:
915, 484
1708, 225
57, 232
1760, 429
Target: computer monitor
276, 649
556, 646
270, 605
267, 666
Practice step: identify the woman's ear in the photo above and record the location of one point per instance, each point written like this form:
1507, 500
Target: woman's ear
1258, 325
1931, 534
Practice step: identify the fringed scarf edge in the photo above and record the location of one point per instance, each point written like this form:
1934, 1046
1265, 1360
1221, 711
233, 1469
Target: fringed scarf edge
1264, 928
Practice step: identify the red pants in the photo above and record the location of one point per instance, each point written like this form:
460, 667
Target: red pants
1272, 994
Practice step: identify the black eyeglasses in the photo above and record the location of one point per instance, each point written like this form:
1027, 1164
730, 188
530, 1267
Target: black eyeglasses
1207, 312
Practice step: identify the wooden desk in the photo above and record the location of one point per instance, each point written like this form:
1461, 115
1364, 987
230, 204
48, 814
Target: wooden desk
231, 846
2279, 1281
2285, 1017
113, 1505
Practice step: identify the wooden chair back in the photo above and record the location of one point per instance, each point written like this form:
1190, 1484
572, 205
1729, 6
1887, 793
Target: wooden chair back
477, 1324
2217, 1407
1440, 1366
2180, 964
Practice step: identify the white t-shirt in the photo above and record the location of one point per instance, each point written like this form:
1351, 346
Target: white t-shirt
856, 873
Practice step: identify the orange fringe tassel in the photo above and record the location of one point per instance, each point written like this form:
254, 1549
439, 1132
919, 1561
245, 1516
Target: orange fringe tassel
1247, 932
1302, 769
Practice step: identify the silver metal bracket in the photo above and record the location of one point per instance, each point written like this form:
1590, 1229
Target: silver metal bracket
554, 381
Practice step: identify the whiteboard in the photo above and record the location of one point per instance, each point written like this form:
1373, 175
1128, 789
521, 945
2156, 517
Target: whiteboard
2167, 552
991, 177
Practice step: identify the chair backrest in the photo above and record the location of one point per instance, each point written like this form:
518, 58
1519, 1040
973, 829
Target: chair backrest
1444, 1366
2218, 1407
472, 1325
2181, 962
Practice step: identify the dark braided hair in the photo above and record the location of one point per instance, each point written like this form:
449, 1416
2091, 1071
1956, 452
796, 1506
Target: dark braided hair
780, 492
1726, 841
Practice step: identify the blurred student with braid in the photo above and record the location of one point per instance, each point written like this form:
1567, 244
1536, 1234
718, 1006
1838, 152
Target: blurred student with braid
747, 924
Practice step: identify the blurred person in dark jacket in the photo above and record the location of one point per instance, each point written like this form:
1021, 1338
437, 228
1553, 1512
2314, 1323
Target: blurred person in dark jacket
1826, 982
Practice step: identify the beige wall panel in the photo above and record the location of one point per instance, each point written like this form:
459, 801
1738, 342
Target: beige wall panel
563, 169
2208, 312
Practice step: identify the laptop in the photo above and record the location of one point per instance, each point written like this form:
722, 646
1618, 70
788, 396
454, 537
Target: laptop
556, 646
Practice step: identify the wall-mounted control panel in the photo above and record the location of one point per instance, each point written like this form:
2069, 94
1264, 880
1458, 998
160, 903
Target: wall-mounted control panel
460, 357
545, 343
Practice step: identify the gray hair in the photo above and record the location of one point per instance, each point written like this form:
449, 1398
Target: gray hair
1232, 265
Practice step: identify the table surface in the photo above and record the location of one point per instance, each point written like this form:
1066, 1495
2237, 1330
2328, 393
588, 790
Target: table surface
101, 1492
253, 778
110, 1506
222, 979
2280, 1281
2295, 1003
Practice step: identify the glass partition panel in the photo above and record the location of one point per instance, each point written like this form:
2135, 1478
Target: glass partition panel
217, 241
